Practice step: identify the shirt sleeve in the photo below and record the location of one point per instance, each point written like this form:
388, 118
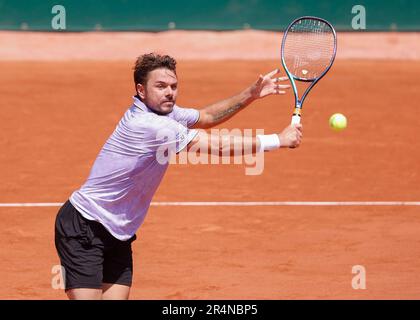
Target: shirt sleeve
186, 116
147, 134
168, 135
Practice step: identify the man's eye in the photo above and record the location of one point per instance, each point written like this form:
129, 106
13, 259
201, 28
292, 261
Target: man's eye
174, 87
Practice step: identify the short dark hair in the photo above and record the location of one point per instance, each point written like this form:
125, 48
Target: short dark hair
149, 62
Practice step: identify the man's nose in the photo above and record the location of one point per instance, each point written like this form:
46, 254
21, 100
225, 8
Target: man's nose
169, 91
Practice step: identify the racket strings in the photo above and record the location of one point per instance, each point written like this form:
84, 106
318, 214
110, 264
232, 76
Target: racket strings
309, 48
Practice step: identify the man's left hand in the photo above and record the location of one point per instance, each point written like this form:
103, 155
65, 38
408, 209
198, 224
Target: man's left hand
269, 84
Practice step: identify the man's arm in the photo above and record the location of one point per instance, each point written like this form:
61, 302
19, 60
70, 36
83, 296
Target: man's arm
222, 111
230, 145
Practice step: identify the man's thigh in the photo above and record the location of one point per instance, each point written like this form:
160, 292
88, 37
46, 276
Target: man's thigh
112, 291
84, 294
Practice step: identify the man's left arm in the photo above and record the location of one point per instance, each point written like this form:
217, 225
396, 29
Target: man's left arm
222, 111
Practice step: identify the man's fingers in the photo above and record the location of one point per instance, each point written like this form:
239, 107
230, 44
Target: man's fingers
272, 73
281, 79
278, 91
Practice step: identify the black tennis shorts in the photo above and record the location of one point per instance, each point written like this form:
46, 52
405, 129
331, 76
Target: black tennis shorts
89, 254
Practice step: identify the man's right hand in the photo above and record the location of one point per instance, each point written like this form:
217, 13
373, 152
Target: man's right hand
291, 136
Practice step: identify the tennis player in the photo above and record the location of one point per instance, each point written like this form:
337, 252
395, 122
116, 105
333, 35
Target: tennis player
94, 229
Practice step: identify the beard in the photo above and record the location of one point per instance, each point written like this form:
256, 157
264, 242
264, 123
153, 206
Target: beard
164, 108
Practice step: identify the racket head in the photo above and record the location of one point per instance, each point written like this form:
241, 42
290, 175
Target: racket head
308, 49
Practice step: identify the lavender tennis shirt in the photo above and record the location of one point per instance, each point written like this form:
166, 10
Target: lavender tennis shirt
130, 167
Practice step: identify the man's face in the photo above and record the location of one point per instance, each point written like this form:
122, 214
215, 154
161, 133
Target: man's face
160, 91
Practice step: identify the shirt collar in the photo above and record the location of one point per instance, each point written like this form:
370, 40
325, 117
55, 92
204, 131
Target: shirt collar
139, 104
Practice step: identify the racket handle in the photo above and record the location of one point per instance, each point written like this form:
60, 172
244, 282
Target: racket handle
296, 119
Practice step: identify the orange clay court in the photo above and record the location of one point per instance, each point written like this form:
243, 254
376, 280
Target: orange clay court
56, 113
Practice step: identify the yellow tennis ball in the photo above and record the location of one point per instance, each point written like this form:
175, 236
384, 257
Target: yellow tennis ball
338, 121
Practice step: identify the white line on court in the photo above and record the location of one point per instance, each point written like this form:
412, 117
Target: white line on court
245, 203
291, 203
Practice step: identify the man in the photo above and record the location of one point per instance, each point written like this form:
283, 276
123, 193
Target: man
94, 229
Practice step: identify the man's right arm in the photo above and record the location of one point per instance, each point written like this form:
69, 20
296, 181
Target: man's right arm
230, 145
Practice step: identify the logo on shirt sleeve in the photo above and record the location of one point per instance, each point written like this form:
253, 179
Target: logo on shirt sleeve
168, 141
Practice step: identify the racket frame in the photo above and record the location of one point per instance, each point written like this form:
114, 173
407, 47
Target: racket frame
299, 102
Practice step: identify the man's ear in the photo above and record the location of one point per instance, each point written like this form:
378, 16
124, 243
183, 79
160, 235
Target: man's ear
141, 91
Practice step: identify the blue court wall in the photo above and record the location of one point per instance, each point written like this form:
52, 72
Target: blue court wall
142, 15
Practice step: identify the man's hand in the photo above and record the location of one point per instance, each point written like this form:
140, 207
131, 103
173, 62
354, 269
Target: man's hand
269, 84
291, 136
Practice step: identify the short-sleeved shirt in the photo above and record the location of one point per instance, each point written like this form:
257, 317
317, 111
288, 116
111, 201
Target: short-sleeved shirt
131, 165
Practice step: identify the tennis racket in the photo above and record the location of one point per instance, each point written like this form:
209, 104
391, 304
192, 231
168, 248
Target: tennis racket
307, 53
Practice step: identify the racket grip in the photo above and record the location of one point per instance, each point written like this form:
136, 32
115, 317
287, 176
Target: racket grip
295, 119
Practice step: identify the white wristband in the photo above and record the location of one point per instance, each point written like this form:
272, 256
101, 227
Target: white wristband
268, 142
